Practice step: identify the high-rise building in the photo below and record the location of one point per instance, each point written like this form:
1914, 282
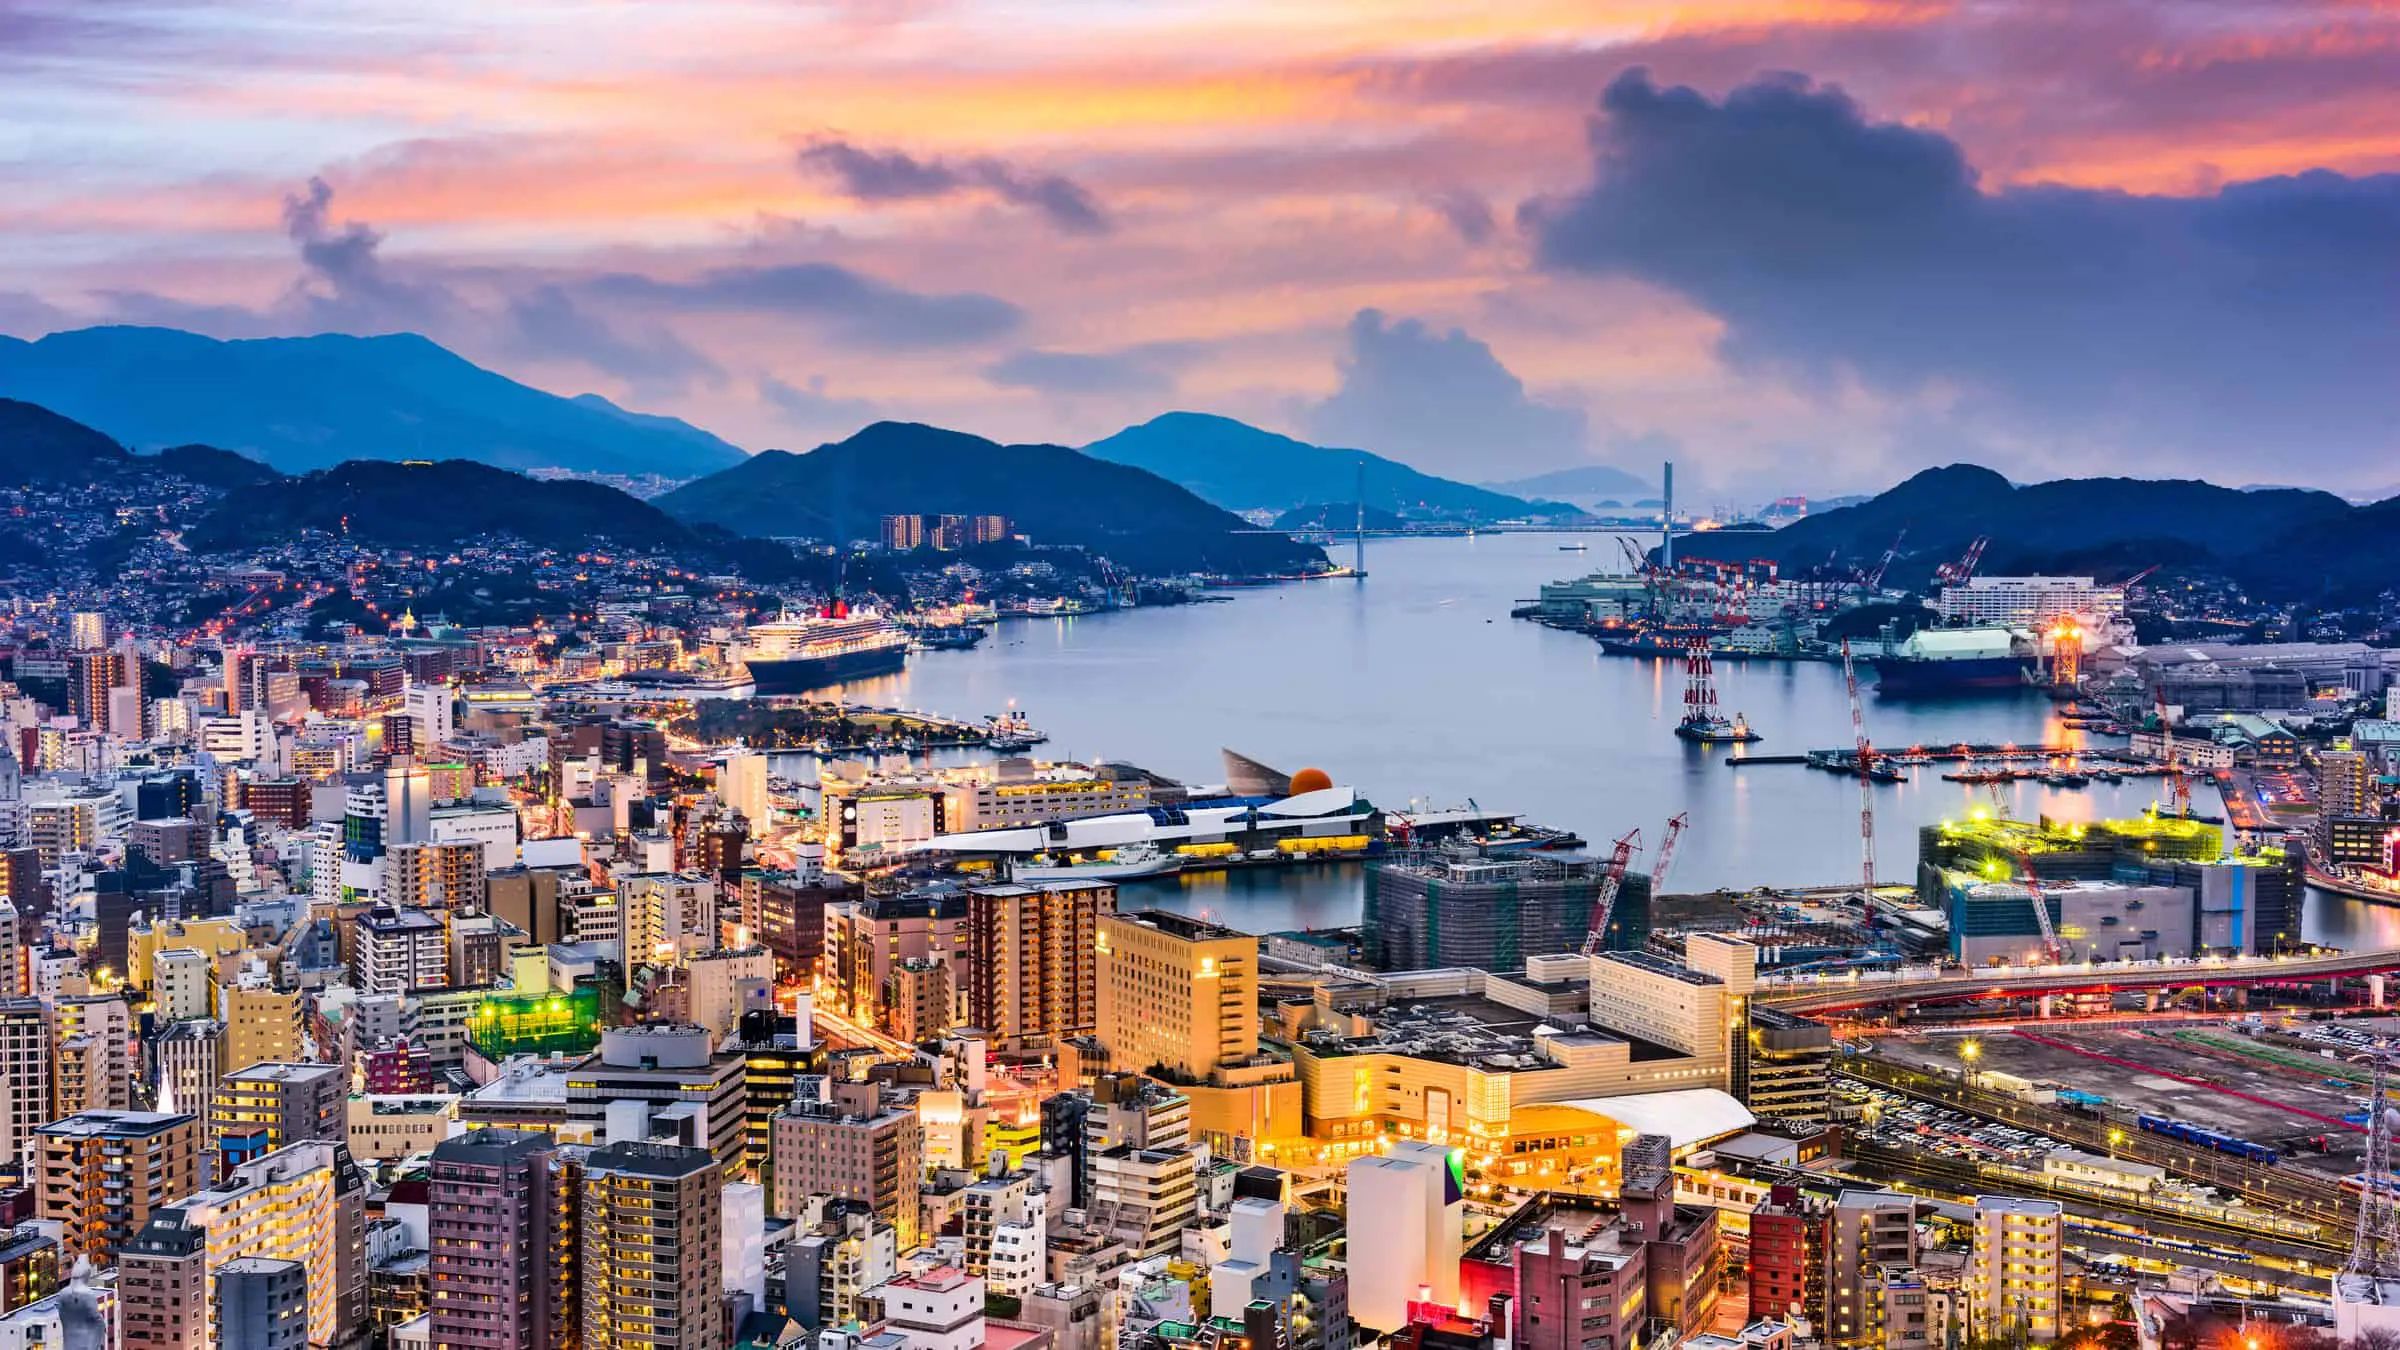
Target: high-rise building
868, 939
29, 1267
261, 1025
304, 1203
264, 1107
189, 1058
24, 1074
665, 914
851, 1141
2013, 1292
2345, 783
1783, 1067
903, 534
742, 785
1789, 1235
1032, 980
1407, 1218
262, 1303
1869, 1230
87, 630
99, 1175
1176, 993
434, 876
398, 951
651, 1216
162, 1288
501, 1216
646, 1082
987, 529
91, 1040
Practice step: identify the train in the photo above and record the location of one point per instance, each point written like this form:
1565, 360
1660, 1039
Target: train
2206, 1138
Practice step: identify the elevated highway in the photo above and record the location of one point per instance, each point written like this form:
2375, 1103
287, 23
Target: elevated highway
1855, 990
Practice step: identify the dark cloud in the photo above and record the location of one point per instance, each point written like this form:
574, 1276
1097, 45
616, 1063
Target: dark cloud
852, 304
892, 175
2257, 318
1443, 402
808, 409
352, 290
549, 325
1467, 212
1070, 374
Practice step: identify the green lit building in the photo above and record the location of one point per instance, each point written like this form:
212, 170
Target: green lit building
558, 1022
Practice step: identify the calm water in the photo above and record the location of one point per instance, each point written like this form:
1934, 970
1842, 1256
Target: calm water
1415, 683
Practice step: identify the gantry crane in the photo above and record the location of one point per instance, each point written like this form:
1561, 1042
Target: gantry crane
1956, 573
1606, 901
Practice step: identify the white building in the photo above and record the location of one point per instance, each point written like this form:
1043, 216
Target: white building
941, 1309
1407, 1216
2031, 602
2013, 1275
492, 827
742, 785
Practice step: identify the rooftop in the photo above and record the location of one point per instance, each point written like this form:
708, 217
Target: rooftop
113, 1124
1183, 926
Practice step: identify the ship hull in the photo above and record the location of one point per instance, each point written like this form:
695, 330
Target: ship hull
1152, 867
1910, 675
800, 674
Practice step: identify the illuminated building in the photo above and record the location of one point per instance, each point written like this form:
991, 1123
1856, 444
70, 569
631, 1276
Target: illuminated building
651, 1217
305, 1203
399, 951
434, 876
24, 1074
665, 914
265, 1107
556, 1022
162, 1289
387, 1128
1783, 1070
673, 1080
2013, 1278
261, 1024
502, 1217
1016, 793
1032, 980
1869, 1231
866, 940
851, 1141
1179, 996
99, 1174
91, 1038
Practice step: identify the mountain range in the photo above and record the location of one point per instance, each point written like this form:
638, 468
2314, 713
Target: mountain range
306, 403
1583, 484
2280, 543
1054, 494
1242, 468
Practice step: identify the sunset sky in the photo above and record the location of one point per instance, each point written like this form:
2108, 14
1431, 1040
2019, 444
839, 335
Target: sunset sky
1795, 245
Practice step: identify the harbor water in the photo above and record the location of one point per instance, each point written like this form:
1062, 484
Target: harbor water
1415, 684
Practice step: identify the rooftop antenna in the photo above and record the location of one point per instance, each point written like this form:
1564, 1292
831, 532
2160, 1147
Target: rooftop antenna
1358, 531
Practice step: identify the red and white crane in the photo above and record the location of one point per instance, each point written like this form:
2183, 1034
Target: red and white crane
1874, 579
1666, 854
2177, 783
1606, 901
1956, 573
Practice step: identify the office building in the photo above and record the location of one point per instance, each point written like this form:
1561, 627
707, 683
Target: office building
262, 1303
1406, 1221
1145, 1197
868, 941
100, 1174
661, 1082
651, 1217
503, 1255
2031, 602
264, 1107
1176, 993
1783, 1067
2013, 1291
1031, 962
29, 1267
854, 1142
1017, 793
528, 898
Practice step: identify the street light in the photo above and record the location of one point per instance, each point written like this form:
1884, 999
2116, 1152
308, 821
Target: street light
1968, 1053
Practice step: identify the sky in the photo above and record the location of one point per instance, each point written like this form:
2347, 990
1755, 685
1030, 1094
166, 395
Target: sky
1797, 245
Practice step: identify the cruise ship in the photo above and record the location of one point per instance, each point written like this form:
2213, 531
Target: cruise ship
793, 656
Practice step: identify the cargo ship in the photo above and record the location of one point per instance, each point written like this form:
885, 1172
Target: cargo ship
793, 656
1956, 660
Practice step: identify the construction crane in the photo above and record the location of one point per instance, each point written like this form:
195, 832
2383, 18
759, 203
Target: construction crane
1666, 854
2177, 783
1606, 901
1874, 580
1866, 786
1956, 573
2051, 950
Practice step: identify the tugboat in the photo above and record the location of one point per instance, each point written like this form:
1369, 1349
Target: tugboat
1701, 723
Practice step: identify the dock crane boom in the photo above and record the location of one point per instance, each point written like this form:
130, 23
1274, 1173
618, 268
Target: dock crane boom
1874, 579
2177, 783
1866, 786
1666, 854
1606, 901
1956, 573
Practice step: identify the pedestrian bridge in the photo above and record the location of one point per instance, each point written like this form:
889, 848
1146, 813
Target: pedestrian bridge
1827, 992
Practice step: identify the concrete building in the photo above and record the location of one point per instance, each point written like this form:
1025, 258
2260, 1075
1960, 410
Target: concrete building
501, 1221
91, 1039
261, 1024
1869, 1230
303, 1203
24, 1074
399, 951
1783, 1067
100, 1174
2031, 602
867, 941
1001, 1220
853, 1142
270, 1106
1176, 992
1032, 981
262, 1303
162, 1289
1145, 1197
2013, 1274
437, 877
1018, 792
656, 1212
661, 1082
827, 1268
941, 1309
1406, 1221
181, 984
